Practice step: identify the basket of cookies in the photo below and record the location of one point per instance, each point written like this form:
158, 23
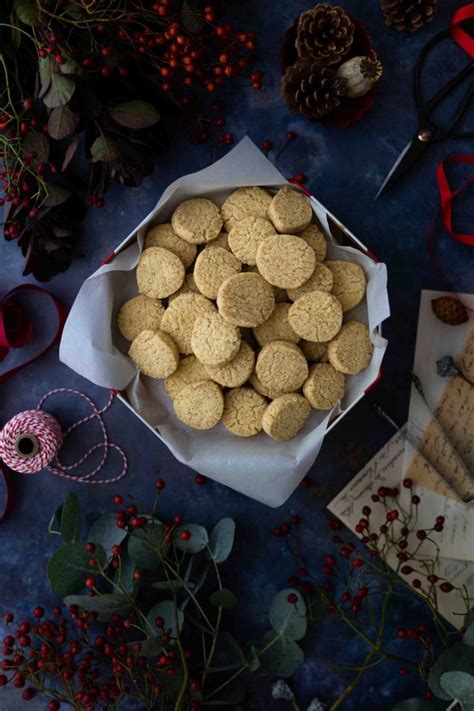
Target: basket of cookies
235, 324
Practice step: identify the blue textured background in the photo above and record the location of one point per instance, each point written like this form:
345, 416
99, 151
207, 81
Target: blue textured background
345, 168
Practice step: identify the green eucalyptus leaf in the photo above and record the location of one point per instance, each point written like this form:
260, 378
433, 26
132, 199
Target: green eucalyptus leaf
134, 114
144, 543
37, 142
198, 582
54, 526
57, 194
286, 618
415, 705
124, 576
234, 647
223, 598
104, 605
27, 12
60, 91
469, 636
69, 566
70, 66
282, 656
70, 518
62, 121
460, 686
459, 657
253, 662
106, 533
198, 541
47, 67
104, 149
190, 19
221, 540
173, 619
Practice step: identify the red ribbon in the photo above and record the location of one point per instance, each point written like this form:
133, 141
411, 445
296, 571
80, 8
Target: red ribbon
447, 196
459, 35
16, 330
16, 326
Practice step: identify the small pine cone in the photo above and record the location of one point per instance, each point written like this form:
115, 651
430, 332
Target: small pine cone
312, 90
408, 15
449, 310
324, 33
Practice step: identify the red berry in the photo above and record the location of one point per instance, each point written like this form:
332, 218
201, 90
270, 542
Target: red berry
357, 563
159, 622
421, 535
290, 136
267, 145
432, 578
178, 519
403, 671
406, 570
429, 696
137, 575
416, 583
185, 535
415, 500
407, 483
105, 51
292, 598
58, 59
43, 53
392, 515
38, 612
90, 547
28, 104
160, 484
200, 479
300, 178
89, 583
446, 587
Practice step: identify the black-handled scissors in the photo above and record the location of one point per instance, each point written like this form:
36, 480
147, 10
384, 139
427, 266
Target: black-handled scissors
428, 130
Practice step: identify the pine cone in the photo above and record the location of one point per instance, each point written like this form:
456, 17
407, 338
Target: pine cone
324, 33
449, 310
312, 90
408, 15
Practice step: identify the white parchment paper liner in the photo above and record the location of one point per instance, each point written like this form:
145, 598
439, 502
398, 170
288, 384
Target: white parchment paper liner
258, 467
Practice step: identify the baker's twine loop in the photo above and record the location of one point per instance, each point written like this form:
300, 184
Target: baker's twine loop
44, 436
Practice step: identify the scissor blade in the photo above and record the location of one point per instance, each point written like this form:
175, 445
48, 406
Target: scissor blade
407, 158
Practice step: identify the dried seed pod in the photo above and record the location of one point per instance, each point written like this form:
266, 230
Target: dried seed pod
360, 75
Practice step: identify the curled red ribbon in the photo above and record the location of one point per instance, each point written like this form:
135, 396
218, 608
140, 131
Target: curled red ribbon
447, 196
16, 326
460, 35
16, 330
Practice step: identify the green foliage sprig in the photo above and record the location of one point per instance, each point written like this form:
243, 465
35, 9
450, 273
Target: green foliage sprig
148, 603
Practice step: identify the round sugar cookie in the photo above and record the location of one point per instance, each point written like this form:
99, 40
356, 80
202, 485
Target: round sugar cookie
165, 236
316, 316
285, 261
245, 202
351, 350
316, 240
213, 340
324, 386
246, 235
200, 405
245, 299
276, 328
188, 287
314, 351
190, 370
139, 314
197, 220
285, 416
154, 353
281, 366
159, 273
349, 282
243, 411
178, 319
235, 373
213, 266
290, 211
320, 280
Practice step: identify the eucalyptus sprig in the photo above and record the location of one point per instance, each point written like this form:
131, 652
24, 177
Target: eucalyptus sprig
106, 77
148, 604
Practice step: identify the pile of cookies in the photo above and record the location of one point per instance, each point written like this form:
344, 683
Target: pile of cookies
241, 315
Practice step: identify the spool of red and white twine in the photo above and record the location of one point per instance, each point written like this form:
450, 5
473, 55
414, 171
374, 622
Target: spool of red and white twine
31, 441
